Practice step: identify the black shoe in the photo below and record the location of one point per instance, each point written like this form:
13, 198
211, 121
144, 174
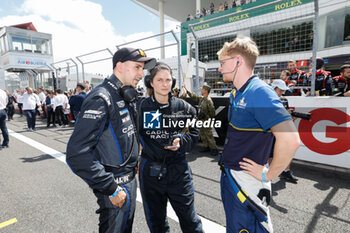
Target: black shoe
206, 149
4, 146
288, 176
214, 152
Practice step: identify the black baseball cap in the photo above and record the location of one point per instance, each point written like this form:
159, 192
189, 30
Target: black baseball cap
131, 54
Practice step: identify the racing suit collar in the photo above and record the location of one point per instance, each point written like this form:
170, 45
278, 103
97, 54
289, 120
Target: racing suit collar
114, 79
344, 79
161, 106
319, 71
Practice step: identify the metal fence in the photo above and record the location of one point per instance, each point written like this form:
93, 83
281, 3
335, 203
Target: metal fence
95, 66
96, 61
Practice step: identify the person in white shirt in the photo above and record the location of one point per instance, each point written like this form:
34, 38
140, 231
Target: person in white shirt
42, 98
87, 87
3, 103
30, 101
67, 110
19, 102
60, 104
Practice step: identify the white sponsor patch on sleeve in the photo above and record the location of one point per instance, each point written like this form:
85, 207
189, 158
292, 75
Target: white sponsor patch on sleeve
92, 114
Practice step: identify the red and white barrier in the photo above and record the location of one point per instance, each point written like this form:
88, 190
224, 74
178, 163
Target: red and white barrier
326, 137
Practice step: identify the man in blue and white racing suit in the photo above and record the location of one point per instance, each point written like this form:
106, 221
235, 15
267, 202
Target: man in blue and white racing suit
255, 115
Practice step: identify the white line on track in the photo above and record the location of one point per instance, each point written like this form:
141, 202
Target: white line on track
208, 226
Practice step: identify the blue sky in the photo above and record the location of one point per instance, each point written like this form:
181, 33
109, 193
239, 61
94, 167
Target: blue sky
82, 26
112, 10
115, 12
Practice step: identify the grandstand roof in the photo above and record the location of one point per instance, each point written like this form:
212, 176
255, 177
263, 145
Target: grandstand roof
177, 9
26, 26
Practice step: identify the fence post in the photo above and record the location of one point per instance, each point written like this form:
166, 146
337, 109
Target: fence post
314, 48
82, 68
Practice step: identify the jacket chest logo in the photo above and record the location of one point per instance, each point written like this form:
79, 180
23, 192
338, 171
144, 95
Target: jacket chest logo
241, 103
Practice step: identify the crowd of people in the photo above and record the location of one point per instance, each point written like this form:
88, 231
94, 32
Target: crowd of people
58, 107
299, 82
222, 7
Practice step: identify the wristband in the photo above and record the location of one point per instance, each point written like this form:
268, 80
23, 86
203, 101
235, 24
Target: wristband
116, 192
265, 170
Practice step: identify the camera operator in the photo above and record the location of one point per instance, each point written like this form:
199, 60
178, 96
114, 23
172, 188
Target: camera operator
280, 88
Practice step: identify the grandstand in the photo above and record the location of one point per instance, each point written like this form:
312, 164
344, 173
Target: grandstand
283, 30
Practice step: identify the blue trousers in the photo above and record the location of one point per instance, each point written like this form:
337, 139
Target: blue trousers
114, 219
239, 218
31, 118
3, 128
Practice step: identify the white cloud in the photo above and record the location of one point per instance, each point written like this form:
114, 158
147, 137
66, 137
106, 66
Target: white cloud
171, 25
79, 27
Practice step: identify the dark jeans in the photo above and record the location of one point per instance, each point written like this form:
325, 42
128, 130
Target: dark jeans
3, 127
59, 114
20, 105
50, 117
76, 114
10, 112
31, 118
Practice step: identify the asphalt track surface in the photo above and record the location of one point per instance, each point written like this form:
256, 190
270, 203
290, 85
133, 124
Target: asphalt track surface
39, 193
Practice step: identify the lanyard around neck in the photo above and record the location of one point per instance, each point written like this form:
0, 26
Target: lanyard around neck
233, 105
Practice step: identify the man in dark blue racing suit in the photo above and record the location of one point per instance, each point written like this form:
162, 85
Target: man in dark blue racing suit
103, 149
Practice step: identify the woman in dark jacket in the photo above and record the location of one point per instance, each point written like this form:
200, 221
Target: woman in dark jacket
166, 135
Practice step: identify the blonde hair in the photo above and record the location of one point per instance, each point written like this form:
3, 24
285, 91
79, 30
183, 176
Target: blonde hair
291, 61
243, 46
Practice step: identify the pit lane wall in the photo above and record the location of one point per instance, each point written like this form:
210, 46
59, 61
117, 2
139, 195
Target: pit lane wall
325, 139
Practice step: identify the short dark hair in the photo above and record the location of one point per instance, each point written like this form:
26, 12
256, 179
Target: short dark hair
59, 91
81, 86
286, 72
343, 67
160, 66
